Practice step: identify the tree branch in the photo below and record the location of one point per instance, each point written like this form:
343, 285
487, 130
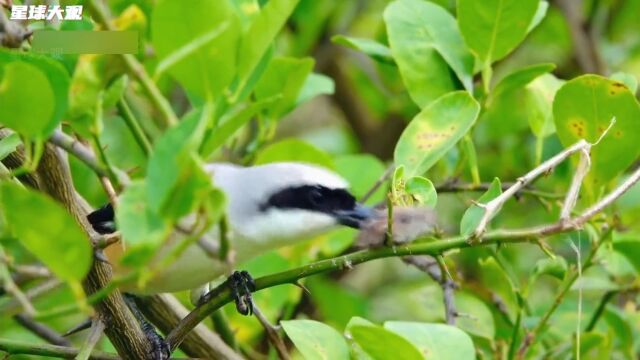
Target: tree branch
19, 347
41, 330
53, 178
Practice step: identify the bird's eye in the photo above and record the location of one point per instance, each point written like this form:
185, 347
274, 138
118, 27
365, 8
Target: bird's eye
316, 197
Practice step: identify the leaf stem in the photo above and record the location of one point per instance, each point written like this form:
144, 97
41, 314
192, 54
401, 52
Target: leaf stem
134, 126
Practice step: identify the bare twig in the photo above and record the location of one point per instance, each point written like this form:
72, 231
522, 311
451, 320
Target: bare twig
41, 330
19, 347
15, 307
272, 334
78, 150
584, 45
385, 176
430, 266
97, 329
492, 207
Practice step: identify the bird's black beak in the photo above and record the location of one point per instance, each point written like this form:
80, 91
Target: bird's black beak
355, 217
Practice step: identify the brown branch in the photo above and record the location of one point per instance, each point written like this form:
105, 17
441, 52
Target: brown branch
41, 330
165, 311
18, 347
122, 329
585, 48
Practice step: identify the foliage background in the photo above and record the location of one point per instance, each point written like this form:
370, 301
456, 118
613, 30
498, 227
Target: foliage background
336, 83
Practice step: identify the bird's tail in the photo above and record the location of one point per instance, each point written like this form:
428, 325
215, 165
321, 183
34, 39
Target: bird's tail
103, 220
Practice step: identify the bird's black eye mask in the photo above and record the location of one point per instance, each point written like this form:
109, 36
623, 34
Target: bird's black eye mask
311, 197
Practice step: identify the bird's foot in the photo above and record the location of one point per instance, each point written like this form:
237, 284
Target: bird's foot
242, 285
160, 349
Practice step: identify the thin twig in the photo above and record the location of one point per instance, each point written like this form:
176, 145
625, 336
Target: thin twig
41, 330
19, 347
272, 334
97, 329
381, 180
492, 207
134, 126
78, 150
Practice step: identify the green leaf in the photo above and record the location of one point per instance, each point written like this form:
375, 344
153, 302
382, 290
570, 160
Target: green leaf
315, 340
422, 189
425, 42
231, 122
583, 109
539, 99
53, 236
435, 130
621, 328
143, 229
480, 321
314, 85
261, 34
207, 57
555, 267
9, 145
284, 76
383, 344
630, 248
55, 73
541, 12
520, 78
172, 162
115, 91
435, 341
630, 80
493, 28
372, 48
27, 101
495, 278
474, 213
293, 150
361, 171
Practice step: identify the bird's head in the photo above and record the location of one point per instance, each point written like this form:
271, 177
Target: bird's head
285, 202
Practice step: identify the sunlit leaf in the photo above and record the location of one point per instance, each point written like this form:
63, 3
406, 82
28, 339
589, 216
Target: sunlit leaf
474, 213
630, 80
422, 189
54, 72
293, 150
369, 47
434, 131
9, 145
383, 344
435, 341
584, 108
208, 42
53, 236
493, 28
425, 42
315, 85
261, 33
142, 228
521, 77
315, 340
285, 77
27, 101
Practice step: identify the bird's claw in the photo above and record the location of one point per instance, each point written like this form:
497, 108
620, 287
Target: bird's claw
242, 285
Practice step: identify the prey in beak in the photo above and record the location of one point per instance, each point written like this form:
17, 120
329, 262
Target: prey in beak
356, 217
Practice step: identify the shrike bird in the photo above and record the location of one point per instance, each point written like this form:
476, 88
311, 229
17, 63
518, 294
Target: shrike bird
268, 206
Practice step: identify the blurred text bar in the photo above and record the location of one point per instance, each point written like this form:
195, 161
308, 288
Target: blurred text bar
85, 42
